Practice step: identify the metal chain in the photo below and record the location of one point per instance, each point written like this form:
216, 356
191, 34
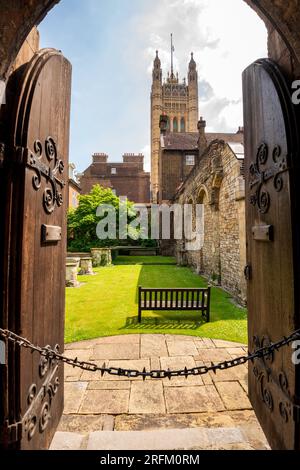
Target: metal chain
51, 354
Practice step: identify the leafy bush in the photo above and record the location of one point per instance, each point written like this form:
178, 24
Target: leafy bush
83, 221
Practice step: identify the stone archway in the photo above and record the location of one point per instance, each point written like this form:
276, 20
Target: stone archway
17, 20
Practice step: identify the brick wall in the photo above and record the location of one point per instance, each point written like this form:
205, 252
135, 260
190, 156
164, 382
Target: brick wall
174, 171
127, 179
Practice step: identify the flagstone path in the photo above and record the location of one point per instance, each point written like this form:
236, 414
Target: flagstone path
207, 412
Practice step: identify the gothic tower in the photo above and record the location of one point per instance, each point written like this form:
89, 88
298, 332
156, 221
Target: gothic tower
178, 101
193, 105
156, 111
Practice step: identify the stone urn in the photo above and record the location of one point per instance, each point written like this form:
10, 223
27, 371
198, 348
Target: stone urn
74, 260
71, 273
86, 267
101, 257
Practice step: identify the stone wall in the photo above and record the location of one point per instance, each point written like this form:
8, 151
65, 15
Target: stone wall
29, 48
218, 184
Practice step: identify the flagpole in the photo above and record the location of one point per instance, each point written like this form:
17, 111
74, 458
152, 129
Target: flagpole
172, 50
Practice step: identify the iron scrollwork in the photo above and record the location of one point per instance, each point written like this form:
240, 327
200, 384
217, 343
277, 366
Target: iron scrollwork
47, 363
273, 386
38, 414
51, 171
260, 175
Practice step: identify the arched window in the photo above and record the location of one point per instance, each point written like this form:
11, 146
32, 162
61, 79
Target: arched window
168, 123
182, 125
175, 125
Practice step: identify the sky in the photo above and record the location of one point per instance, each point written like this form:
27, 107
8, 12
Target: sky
111, 45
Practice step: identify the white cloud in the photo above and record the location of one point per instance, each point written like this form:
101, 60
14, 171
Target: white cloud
146, 151
225, 36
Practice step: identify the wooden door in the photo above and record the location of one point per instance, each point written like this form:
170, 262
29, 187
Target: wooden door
272, 213
34, 178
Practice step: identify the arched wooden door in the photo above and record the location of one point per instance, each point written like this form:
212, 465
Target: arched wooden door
272, 212
34, 177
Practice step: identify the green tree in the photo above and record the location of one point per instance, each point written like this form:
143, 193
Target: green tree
83, 221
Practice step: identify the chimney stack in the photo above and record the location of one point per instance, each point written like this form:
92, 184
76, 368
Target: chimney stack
100, 158
202, 142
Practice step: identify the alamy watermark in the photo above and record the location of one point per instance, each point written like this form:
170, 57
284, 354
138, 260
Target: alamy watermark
2, 92
296, 353
157, 222
296, 93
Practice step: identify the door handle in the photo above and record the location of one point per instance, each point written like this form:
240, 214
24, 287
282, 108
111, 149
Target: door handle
248, 272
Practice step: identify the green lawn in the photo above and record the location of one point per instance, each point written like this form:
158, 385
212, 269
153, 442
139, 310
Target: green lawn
106, 304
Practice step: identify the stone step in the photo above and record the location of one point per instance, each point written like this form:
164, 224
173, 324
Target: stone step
168, 439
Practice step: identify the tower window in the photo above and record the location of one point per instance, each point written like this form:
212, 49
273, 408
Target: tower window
182, 125
190, 160
175, 125
113, 171
168, 123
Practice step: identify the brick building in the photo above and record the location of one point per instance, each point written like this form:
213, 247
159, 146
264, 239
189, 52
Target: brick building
180, 153
126, 178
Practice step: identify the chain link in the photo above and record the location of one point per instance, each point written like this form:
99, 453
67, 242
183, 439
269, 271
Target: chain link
53, 354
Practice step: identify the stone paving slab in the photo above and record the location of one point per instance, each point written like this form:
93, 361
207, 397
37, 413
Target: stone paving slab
74, 393
233, 395
219, 343
110, 403
67, 441
122, 339
147, 397
182, 348
153, 345
176, 363
213, 355
72, 374
229, 375
182, 439
82, 354
193, 399
204, 343
110, 385
142, 422
116, 351
84, 424
235, 352
105, 402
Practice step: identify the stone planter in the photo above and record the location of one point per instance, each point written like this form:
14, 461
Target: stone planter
78, 255
74, 260
71, 274
86, 267
101, 257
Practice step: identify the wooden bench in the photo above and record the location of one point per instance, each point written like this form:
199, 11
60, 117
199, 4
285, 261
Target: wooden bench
175, 299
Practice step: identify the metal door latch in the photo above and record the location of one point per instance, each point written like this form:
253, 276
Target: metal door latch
248, 272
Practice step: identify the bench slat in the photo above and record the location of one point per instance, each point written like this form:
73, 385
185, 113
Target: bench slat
189, 299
